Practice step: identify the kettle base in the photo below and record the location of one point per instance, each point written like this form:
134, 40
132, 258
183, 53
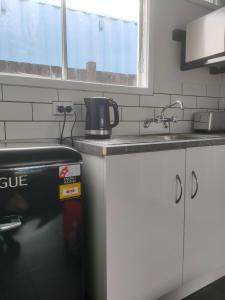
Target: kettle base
100, 134
97, 137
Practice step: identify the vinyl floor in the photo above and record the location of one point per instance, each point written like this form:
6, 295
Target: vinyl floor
214, 291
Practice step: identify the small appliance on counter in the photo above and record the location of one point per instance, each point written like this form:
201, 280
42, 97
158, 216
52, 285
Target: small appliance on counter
209, 121
98, 123
40, 223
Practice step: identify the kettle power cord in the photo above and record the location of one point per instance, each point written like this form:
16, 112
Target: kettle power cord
63, 127
71, 131
72, 128
64, 110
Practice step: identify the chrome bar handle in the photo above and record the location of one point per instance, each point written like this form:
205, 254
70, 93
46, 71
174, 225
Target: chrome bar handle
178, 179
10, 223
196, 181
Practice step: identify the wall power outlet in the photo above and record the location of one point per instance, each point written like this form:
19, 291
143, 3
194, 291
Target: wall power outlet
58, 108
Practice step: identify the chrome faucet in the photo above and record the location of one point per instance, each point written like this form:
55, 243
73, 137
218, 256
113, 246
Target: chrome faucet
162, 118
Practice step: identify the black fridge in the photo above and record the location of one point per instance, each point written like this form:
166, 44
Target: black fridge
40, 224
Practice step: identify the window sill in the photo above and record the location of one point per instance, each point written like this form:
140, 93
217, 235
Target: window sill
32, 81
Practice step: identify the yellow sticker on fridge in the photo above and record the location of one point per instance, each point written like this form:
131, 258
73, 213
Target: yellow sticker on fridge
67, 191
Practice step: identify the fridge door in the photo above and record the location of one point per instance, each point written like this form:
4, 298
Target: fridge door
40, 234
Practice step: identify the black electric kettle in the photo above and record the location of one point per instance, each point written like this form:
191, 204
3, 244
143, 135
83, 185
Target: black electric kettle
98, 124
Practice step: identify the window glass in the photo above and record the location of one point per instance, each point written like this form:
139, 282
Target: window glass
102, 41
30, 37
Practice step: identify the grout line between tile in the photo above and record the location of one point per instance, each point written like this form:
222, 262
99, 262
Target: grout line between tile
32, 111
2, 92
122, 107
59, 130
5, 129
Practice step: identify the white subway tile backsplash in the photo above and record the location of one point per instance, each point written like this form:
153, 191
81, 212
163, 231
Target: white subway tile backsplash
44, 112
188, 101
158, 100
0, 92
83, 112
76, 96
205, 102
29, 94
188, 113
194, 89
167, 87
126, 128
137, 113
171, 112
213, 90
181, 127
15, 111
77, 131
32, 130
78, 109
124, 100
222, 103
2, 131
35, 119
222, 91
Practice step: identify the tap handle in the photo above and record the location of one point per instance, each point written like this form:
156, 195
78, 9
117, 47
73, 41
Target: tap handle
174, 119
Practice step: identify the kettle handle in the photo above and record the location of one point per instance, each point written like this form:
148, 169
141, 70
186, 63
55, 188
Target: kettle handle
114, 105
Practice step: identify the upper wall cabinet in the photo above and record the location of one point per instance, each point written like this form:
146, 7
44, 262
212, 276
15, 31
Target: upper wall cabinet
205, 37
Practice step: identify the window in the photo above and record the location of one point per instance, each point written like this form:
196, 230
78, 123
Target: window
101, 41
30, 37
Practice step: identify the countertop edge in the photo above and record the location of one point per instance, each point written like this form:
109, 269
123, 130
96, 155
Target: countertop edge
110, 150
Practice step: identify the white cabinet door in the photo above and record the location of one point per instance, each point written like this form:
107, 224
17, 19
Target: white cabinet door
204, 249
144, 225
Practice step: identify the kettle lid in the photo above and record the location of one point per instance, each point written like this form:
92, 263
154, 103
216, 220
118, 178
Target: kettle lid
96, 100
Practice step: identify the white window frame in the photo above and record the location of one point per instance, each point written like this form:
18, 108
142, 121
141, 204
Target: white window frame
148, 67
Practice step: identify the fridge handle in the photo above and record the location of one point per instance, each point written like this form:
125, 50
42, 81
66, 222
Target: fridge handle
10, 223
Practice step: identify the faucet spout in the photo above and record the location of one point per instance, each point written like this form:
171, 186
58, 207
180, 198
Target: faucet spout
178, 102
162, 118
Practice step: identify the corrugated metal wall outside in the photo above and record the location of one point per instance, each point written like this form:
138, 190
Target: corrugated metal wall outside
31, 32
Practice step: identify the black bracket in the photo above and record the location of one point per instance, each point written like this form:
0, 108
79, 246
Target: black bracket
180, 36
217, 70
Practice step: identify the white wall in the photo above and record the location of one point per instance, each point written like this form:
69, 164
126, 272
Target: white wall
171, 14
26, 112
